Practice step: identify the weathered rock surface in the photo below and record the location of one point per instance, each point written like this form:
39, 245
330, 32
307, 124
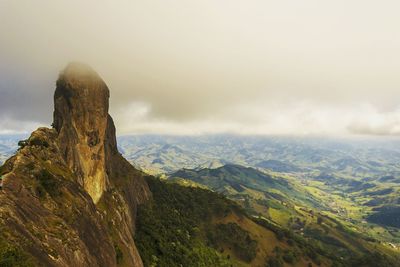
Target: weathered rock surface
69, 198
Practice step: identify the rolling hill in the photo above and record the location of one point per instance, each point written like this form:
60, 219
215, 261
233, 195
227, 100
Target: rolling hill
284, 202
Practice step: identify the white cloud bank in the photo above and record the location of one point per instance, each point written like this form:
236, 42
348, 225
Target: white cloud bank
298, 119
188, 66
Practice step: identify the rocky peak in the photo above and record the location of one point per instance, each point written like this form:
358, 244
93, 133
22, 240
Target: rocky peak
86, 131
68, 197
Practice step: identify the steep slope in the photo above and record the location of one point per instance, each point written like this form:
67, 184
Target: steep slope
284, 203
186, 226
190, 226
69, 198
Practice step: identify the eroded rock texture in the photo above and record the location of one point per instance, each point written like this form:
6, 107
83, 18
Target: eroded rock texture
81, 120
69, 198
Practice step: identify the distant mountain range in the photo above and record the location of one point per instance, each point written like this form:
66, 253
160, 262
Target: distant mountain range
166, 154
356, 181
359, 158
352, 186
9, 144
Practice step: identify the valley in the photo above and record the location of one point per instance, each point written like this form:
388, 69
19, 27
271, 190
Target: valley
199, 134
355, 182
333, 195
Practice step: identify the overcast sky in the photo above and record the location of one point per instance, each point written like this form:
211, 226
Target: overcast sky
188, 67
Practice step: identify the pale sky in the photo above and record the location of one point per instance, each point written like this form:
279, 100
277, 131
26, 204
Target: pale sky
190, 67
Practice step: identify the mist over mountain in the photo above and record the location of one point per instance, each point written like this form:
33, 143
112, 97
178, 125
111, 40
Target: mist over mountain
202, 134
264, 67
224, 200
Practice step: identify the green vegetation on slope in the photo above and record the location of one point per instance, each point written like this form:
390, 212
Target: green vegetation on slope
234, 236
311, 229
173, 228
386, 215
235, 179
13, 256
186, 226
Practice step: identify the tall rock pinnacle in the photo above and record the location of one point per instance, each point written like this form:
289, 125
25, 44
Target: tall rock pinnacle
86, 131
68, 197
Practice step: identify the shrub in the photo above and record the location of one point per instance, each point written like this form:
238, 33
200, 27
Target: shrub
118, 254
38, 142
13, 256
289, 256
234, 236
22, 143
274, 262
48, 183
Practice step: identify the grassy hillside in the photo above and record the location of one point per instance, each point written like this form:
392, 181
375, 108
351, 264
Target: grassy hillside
186, 226
356, 181
292, 208
190, 226
239, 180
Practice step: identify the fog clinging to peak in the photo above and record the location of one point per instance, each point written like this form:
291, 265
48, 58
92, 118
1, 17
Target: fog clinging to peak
190, 67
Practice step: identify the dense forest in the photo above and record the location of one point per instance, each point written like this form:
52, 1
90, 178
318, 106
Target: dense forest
176, 229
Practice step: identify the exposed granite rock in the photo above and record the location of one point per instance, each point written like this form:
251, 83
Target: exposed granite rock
69, 198
47, 213
81, 120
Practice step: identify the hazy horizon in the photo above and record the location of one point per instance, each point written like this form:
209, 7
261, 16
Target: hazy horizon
308, 68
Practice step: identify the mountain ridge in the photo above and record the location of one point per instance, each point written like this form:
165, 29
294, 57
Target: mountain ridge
68, 197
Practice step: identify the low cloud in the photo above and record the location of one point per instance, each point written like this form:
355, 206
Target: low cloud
377, 123
183, 66
12, 126
288, 118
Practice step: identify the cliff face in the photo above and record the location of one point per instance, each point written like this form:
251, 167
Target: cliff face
81, 120
69, 198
